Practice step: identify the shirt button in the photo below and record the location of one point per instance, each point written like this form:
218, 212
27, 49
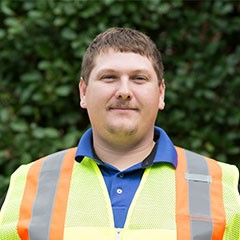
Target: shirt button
119, 191
121, 175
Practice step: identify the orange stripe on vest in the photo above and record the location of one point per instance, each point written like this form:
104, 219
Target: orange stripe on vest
182, 212
217, 205
28, 199
60, 205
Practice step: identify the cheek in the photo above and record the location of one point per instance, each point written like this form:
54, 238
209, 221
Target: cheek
97, 98
150, 98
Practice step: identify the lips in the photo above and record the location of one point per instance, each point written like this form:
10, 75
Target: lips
122, 108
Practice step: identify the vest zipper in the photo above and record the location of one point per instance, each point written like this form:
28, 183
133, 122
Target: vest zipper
118, 234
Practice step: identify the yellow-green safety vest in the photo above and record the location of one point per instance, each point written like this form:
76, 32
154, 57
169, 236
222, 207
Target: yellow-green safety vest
58, 198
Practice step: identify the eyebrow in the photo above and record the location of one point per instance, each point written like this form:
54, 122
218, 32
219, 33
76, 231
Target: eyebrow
105, 71
141, 71
113, 71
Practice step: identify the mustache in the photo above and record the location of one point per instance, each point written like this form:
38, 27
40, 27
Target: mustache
122, 105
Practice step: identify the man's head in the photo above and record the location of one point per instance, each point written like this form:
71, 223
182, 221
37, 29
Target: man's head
122, 87
122, 40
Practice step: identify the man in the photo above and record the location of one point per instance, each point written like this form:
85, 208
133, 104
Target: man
125, 180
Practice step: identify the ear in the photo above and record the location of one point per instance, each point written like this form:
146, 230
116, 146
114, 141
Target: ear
82, 92
162, 88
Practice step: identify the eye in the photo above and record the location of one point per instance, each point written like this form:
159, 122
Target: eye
108, 78
139, 79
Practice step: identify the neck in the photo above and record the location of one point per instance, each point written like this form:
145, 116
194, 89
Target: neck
123, 158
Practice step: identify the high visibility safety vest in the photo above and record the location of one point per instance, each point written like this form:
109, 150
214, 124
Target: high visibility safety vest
58, 198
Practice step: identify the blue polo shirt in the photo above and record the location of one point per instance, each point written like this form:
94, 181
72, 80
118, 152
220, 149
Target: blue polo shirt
122, 185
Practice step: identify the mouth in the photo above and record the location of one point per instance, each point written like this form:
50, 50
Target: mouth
122, 109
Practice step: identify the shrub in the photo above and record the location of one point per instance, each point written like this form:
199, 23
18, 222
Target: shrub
42, 44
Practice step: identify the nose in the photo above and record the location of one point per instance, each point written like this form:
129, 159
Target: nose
124, 92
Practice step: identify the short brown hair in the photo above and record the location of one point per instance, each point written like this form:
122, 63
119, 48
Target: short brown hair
122, 40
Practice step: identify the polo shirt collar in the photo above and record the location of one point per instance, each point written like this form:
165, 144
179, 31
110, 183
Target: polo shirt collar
85, 146
164, 149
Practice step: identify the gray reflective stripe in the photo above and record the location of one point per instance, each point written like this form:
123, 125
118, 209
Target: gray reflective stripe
201, 230
199, 196
43, 205
198, 177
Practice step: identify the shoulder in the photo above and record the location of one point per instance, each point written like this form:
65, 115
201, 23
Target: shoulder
46, 162
19, 177
229, 174
60, 156
230, 177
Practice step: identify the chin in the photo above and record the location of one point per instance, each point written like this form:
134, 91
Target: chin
122, 130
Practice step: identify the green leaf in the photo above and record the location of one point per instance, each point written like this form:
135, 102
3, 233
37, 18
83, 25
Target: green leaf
63, 91
31, 76
68, 34
51, 132
19, 126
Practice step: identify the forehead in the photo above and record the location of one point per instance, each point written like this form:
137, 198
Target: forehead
121, 60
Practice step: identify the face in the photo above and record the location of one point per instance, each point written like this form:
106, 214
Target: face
122, 97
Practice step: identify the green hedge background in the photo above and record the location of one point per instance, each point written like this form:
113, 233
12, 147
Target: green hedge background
41, 47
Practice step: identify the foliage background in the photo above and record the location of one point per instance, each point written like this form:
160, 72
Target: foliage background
41, 47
